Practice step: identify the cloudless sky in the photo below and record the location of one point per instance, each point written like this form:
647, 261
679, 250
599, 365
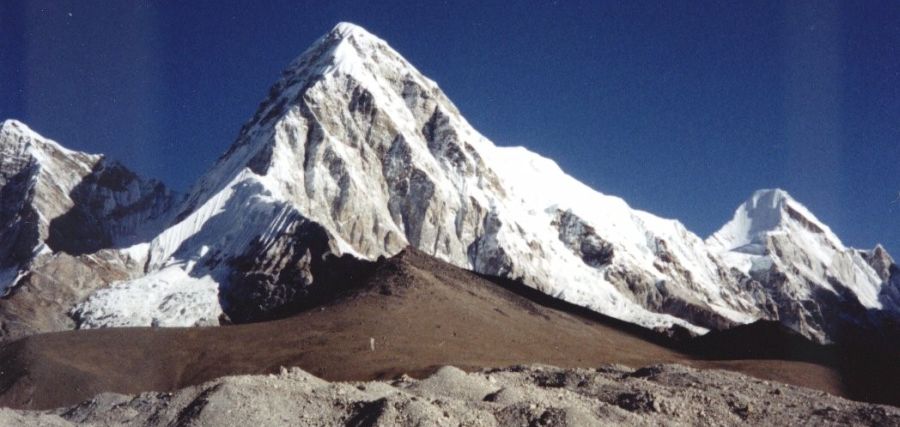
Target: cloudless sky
683, 108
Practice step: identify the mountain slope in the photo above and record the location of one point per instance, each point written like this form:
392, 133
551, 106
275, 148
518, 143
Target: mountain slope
62, 214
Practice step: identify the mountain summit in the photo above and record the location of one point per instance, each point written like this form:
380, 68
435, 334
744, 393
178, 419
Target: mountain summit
766, 212
355, 155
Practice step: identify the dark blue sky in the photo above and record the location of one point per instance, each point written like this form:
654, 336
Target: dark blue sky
683, 108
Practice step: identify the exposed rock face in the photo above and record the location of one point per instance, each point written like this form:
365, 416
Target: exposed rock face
33, 189
112, 207
19, 235
889, 272
293, 271
520, 395
880, 261
583, 240
276, 275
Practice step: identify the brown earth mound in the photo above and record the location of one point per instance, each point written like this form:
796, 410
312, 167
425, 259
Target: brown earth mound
412, 315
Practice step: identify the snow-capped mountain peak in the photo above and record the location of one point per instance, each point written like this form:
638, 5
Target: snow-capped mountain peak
19, 143
37, 176
343, 49
348, 48
16, 132
768, 211
40, 175
346, 29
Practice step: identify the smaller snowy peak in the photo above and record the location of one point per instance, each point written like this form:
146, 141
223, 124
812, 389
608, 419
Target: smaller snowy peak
768, 211
18, 134
815, 281
77, 199
16, 140
24, 151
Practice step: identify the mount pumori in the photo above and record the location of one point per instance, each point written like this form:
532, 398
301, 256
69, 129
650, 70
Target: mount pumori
355, 155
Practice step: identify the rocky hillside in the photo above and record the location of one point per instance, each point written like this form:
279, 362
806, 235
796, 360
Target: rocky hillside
521, 395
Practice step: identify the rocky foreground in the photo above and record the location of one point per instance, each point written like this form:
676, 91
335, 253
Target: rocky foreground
519, 395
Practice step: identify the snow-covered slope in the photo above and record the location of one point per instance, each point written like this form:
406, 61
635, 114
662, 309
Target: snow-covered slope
355, 153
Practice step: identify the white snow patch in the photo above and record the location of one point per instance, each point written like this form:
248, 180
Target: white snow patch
167, 297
